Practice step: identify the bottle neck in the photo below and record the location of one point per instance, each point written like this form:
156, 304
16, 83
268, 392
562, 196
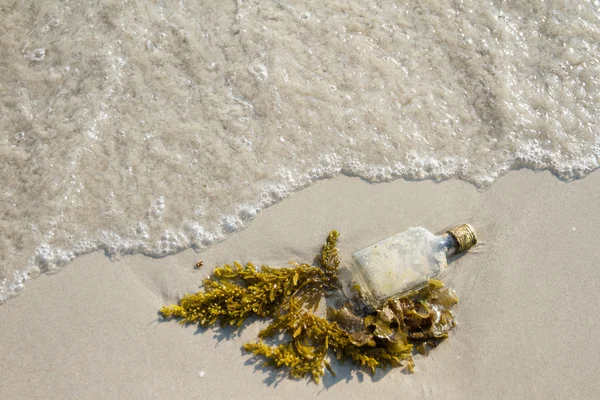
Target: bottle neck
449, 244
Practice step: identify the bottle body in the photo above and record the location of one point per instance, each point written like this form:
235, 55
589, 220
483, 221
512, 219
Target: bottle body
406, 261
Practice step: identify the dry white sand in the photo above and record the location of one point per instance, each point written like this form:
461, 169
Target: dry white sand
527, 317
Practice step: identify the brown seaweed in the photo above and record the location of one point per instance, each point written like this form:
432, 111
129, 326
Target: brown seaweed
289, 297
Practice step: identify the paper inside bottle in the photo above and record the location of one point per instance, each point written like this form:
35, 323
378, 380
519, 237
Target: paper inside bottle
398, 264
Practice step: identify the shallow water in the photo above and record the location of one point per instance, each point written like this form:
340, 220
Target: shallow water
155, 126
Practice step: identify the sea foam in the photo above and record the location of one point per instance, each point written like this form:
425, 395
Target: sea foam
156, 128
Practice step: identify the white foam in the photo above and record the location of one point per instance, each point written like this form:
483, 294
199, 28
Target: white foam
159, 132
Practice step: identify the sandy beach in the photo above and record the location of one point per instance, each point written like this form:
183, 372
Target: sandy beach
526, 318
135, 132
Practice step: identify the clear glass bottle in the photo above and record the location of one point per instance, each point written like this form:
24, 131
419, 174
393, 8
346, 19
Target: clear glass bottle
406, 261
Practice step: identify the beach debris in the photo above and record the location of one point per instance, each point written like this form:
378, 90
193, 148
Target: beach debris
199, 264
289, 297
406, 261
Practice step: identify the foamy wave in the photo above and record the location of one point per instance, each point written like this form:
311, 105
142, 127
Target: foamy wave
190, 234
165, 129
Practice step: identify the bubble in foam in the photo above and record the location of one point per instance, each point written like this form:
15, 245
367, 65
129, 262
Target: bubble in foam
196, 234
157, 209
50, 24
259, 71
172, 242
11, 287
142, 230
194, 230
36, 54
246, 214
151, 47
84, 246
50, 259
230, 223
210, 238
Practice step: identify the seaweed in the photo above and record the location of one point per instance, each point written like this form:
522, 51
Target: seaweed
289, 297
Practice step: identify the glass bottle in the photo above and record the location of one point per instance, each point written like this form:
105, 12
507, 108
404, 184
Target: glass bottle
406, 261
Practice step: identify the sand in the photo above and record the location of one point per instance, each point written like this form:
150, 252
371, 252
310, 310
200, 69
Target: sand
527, 316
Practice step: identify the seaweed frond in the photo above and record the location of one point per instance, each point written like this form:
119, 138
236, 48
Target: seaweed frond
310, 338
235, 292
289, 297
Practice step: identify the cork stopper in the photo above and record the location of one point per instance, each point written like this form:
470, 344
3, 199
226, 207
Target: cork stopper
465, 237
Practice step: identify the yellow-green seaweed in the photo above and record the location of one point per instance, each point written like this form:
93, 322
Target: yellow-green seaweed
290, 297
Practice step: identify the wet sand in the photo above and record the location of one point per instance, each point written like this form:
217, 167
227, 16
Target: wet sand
526, 319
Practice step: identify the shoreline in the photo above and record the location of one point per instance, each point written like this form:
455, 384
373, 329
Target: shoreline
526, 292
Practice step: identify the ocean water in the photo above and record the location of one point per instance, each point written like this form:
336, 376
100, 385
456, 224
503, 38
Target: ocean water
138, 126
